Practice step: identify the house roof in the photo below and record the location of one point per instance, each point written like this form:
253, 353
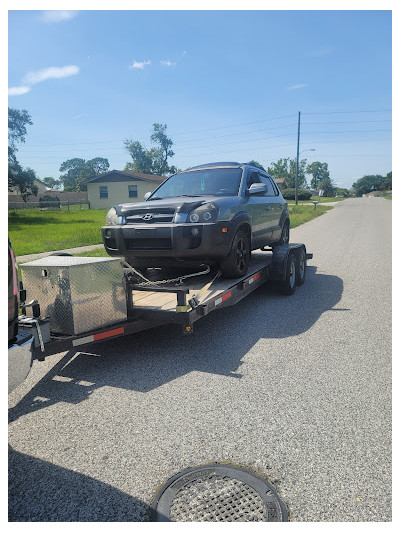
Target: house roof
122, 175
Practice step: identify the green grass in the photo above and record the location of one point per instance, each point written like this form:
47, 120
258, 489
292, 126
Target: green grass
387, 196
320, 199
299, 214
33, 231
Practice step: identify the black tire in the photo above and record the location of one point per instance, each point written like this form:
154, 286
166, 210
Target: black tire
288, 285
236, 263
284, 238
301, 267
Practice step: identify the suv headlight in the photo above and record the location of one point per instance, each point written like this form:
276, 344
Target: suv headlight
204, 213
111, 218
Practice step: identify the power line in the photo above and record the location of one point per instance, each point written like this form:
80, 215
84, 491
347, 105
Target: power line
350, 112
235, 125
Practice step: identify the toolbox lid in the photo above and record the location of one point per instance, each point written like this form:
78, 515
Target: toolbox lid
67, 261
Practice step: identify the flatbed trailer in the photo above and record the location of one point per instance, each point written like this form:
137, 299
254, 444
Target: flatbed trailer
154, 304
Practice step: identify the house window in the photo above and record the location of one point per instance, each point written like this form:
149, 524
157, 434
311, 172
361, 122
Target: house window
103, 191
132, 191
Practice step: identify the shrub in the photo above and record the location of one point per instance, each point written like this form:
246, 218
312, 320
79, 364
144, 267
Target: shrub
302, 194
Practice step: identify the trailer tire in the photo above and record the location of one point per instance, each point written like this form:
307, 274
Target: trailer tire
236, 263
288, 284
301, 267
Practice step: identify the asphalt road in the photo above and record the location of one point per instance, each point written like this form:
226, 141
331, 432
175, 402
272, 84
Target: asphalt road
298, 388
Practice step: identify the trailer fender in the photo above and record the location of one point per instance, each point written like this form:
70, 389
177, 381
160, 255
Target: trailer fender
280, 259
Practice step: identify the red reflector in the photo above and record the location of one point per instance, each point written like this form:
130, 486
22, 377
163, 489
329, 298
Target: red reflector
106, 334
226, 296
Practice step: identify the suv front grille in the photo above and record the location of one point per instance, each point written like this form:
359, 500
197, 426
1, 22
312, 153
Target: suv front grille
148, 244
151, 216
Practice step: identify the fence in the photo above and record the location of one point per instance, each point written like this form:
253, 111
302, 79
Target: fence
51, 205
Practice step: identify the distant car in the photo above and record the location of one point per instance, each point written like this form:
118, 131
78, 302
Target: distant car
214, 213
20, 344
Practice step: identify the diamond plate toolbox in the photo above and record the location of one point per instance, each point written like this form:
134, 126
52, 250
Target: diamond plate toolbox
78, 294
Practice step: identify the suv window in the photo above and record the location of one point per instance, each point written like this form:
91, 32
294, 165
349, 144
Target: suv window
253, 177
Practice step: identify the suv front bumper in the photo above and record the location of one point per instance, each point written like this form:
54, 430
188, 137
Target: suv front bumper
210, 241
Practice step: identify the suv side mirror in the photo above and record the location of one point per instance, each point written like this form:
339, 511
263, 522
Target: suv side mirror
257, 188
147, 195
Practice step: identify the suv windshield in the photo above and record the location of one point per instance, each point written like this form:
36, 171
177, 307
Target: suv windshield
210, 182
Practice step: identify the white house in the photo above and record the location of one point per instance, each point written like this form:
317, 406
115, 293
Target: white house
117, 187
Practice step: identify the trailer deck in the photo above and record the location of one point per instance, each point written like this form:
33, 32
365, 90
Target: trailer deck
182, 303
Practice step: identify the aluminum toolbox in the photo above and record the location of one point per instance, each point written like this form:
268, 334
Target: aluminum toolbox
78, 294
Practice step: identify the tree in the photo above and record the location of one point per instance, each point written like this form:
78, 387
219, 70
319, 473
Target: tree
327, 186
319, 173
387, 182
368, 183
154, 160
339, 191
51, 182
255, 164
78, 172
22, 179
286, 168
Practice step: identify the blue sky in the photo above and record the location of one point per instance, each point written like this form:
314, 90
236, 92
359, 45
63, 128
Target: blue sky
228, 84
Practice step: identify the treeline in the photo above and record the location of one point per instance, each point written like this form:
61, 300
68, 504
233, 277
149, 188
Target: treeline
76, 172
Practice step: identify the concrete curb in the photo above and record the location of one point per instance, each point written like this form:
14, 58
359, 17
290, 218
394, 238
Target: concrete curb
32, 257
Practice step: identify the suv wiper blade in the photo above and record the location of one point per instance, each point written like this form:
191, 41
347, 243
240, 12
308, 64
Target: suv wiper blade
154, 198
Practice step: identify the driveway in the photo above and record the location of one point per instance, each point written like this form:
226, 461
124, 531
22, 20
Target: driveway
297, 388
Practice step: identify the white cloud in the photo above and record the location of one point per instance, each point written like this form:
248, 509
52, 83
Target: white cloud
58, 16
298, 86
139, 65
50, 73
16, 91
168, 63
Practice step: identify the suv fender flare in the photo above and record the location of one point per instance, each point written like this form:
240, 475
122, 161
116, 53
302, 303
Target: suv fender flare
240, 219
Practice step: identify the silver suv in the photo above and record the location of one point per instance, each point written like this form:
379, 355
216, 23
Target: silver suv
214, 213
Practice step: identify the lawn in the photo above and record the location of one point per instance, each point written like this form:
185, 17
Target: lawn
320, 199
32, 230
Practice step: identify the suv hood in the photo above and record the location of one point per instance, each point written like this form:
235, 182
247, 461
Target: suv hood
183, 204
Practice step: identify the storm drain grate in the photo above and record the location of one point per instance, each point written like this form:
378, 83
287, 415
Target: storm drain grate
218, 493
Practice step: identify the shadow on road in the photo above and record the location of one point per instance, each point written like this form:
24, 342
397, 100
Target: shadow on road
149, 359
70, 496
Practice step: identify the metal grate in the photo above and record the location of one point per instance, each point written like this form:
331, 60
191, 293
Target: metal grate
218, 493
217, 499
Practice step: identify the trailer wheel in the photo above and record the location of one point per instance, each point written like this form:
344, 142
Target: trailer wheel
236, 263
301, 267
288, 285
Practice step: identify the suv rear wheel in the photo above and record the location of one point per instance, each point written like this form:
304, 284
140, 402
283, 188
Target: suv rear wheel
236, 263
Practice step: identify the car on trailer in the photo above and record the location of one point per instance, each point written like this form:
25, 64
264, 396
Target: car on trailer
215, 213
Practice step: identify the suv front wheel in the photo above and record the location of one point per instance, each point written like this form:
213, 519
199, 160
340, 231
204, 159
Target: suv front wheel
236, 263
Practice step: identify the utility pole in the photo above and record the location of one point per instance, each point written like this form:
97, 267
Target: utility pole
297, 161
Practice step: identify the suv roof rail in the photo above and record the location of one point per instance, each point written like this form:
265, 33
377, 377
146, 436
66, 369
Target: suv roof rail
219, 164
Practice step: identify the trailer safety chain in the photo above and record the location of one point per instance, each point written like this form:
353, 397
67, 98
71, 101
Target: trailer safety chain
163, 281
